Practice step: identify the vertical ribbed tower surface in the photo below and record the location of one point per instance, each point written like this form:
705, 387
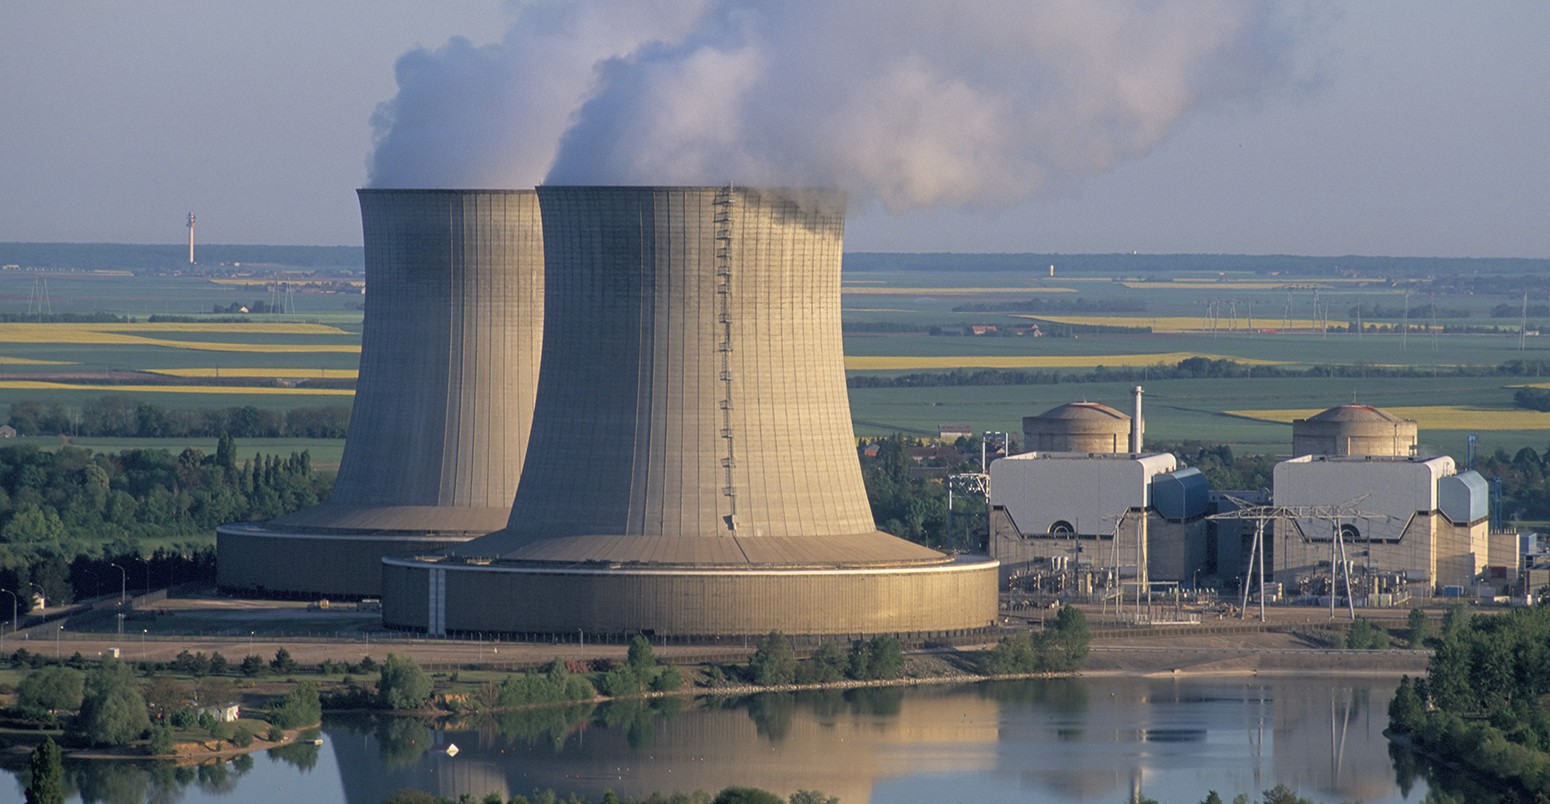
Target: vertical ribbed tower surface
450, 348
692, 445
693, 405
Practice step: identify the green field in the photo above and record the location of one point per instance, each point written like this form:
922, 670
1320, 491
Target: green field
1177, 409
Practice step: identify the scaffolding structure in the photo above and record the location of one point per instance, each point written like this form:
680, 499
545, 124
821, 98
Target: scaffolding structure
1336, 515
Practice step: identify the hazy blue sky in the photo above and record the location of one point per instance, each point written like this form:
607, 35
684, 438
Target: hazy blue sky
1408, 128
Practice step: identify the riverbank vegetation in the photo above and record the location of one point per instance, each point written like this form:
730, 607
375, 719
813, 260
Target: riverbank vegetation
70, 518
1485, 701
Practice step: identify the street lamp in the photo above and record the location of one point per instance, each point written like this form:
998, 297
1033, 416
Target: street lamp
13, 619
147, 572
123, 583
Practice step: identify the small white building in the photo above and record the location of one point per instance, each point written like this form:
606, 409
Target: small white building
1058, 510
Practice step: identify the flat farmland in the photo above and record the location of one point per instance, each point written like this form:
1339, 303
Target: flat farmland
307, 359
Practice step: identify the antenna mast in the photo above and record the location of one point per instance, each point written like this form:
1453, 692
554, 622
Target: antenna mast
190, 238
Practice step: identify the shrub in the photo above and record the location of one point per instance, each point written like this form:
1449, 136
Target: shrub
773, 662
282, 662
275, 733
161, 742
242, 736
667, 680
300, 707
402, 684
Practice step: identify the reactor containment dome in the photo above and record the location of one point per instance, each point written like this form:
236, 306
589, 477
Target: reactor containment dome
692, 470
449, 367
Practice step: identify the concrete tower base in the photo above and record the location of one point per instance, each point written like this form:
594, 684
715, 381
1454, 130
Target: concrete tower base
451, 595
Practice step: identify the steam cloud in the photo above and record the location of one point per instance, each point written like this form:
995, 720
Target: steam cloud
918, 103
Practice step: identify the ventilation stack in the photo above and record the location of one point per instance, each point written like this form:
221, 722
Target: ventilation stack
693, 470
443, 406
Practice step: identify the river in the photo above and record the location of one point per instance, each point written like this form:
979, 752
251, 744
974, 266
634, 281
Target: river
1065, 740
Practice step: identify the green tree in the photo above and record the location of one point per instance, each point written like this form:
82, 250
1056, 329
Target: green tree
1012, 655
812, 797
1068, 640
641, 658
299, 707
746, 795
1405, 710
774, 662
47, 783
112, 710
49, 690
1417, 628
1281, 794
161, 742
1211, 798
401, 684
282, 662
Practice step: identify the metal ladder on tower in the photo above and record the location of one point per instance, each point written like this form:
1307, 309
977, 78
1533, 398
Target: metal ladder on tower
723, 206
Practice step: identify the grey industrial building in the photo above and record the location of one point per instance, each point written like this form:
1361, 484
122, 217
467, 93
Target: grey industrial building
692, 469
443, 406
1088, 503
1416, 523
1086, 514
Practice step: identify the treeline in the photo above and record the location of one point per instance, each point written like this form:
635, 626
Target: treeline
1039, 304
120, 416
913, 506
68, 513
1525, 481
1482, 702
1419, 312
1192, 368
64, 318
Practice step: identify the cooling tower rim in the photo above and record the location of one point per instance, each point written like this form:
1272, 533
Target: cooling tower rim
267, 530
872, 548
444, 191
968, 562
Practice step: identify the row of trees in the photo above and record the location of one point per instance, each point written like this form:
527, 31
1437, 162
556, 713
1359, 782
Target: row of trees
1192, 368
124, 416
1483, 700
72, 521
775, 664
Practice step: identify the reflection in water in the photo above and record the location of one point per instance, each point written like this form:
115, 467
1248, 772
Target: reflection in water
1067, 740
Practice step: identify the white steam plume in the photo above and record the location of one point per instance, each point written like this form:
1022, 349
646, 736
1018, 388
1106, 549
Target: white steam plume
492, 116
911, 102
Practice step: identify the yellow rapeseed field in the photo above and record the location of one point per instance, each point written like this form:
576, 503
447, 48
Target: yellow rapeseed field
898, 363
128, 335
36, 385
1225, 285
1171, 323
286, 373
877, 291
1431, 417
27, 361
266, 282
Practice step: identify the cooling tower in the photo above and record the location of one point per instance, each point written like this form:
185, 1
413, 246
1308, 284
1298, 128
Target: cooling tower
692, 469
449, 366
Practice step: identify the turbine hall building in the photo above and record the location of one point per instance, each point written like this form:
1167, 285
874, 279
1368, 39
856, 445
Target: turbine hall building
449, 367
692, 470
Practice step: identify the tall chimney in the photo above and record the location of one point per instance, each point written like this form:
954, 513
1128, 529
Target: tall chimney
1137, 424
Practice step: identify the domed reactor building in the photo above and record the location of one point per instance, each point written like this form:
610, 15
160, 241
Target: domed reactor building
449, 367
1417, 522
692, 470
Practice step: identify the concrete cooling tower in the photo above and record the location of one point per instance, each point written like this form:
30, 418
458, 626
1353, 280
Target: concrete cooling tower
693, 469
449, 367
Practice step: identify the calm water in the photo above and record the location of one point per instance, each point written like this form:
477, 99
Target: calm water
1048, 741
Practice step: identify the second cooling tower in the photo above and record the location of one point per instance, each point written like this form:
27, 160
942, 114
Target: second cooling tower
443, 406
692, 469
